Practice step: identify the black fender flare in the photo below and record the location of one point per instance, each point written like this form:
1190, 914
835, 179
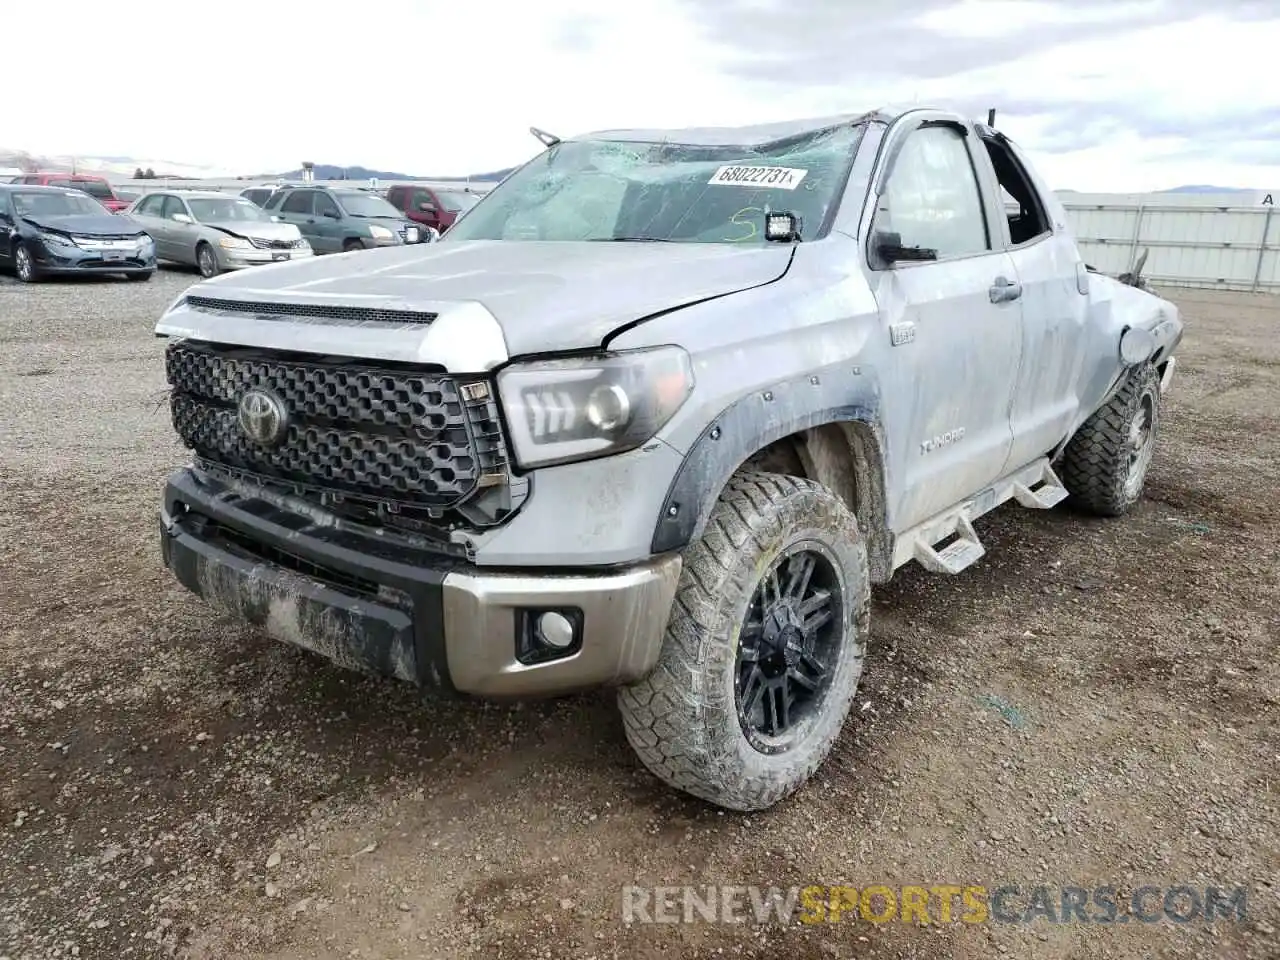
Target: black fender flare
845, 393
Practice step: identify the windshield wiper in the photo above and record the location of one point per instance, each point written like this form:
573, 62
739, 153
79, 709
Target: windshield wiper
632, 240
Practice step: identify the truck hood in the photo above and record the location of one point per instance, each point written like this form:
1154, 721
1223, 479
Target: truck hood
546, 296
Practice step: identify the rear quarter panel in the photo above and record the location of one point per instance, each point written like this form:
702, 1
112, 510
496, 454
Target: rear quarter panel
1113, 308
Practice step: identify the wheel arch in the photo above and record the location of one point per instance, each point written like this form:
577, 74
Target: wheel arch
824, 432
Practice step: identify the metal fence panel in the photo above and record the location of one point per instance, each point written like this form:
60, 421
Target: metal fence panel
1201, 241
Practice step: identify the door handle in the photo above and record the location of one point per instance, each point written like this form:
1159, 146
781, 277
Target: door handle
1003, 290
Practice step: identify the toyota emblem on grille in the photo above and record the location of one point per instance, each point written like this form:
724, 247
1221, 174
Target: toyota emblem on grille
263, 417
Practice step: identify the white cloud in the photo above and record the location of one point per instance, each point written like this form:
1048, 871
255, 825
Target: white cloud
429, 87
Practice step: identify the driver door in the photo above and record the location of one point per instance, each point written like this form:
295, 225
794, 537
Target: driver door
326, 224
953, 326
150, 214
428, 214
181, 237
8, 228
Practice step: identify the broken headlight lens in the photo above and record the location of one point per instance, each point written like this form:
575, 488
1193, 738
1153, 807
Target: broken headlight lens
583, 407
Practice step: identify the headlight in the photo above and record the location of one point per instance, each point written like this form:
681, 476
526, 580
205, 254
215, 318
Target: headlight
57, 240
301, 243
563, 410
234, 243
145, 240
379, 233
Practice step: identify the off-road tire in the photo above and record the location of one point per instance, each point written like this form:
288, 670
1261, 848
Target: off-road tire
1097, 466
682, 719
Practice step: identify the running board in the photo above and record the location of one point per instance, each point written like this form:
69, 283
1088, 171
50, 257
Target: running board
962, 552
1035, 486
1044, 492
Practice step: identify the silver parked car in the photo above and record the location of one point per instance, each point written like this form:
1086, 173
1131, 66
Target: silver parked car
215, 231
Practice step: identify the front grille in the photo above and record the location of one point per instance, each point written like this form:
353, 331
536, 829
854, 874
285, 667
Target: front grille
319, 311
250, 548
262, 244
107, 266
400, 436
106, 240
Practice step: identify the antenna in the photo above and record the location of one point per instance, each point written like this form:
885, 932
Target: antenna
991, 118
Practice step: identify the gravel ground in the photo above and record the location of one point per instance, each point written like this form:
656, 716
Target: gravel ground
1095, 703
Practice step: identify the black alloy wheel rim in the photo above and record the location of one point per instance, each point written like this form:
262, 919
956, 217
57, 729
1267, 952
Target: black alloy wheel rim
789, 646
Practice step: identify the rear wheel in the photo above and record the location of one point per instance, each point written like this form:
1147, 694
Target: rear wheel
23, 264
206, 260
1105, 465
763, 651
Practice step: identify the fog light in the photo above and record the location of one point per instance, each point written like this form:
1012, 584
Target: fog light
545, 634
555, 630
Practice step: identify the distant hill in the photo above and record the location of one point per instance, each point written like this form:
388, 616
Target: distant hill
1204, 188
329, 171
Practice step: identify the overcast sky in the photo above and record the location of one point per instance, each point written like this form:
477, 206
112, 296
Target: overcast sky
1104, 94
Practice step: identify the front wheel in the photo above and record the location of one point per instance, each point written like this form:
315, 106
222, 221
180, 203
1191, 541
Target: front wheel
764, 648
206, 261
24, 267
1105, 464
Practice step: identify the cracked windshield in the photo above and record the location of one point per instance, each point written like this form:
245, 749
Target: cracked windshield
616, 190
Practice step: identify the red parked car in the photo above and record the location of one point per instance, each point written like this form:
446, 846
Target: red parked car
430, 206
96, 187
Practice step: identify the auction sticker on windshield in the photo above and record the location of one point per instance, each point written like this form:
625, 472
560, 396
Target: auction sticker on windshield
779, 178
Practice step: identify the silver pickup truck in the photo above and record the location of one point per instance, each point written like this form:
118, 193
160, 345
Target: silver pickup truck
655, 414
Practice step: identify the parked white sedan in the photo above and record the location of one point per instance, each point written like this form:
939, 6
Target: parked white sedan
215, 231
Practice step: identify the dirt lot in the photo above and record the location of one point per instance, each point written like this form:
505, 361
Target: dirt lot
1094, 704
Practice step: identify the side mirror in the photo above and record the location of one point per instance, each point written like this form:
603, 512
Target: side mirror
427, 206
332, 214
181, 218
889, 249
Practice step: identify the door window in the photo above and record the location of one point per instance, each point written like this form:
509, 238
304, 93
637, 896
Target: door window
932, 198
298, 202
325, 206
151, 206
1022, 204
171, 206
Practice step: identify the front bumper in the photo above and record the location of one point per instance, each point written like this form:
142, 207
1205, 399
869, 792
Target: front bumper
407, 612
53, 259
238, 259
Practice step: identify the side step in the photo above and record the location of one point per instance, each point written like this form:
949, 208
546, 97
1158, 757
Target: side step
1042, 493
962, 552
